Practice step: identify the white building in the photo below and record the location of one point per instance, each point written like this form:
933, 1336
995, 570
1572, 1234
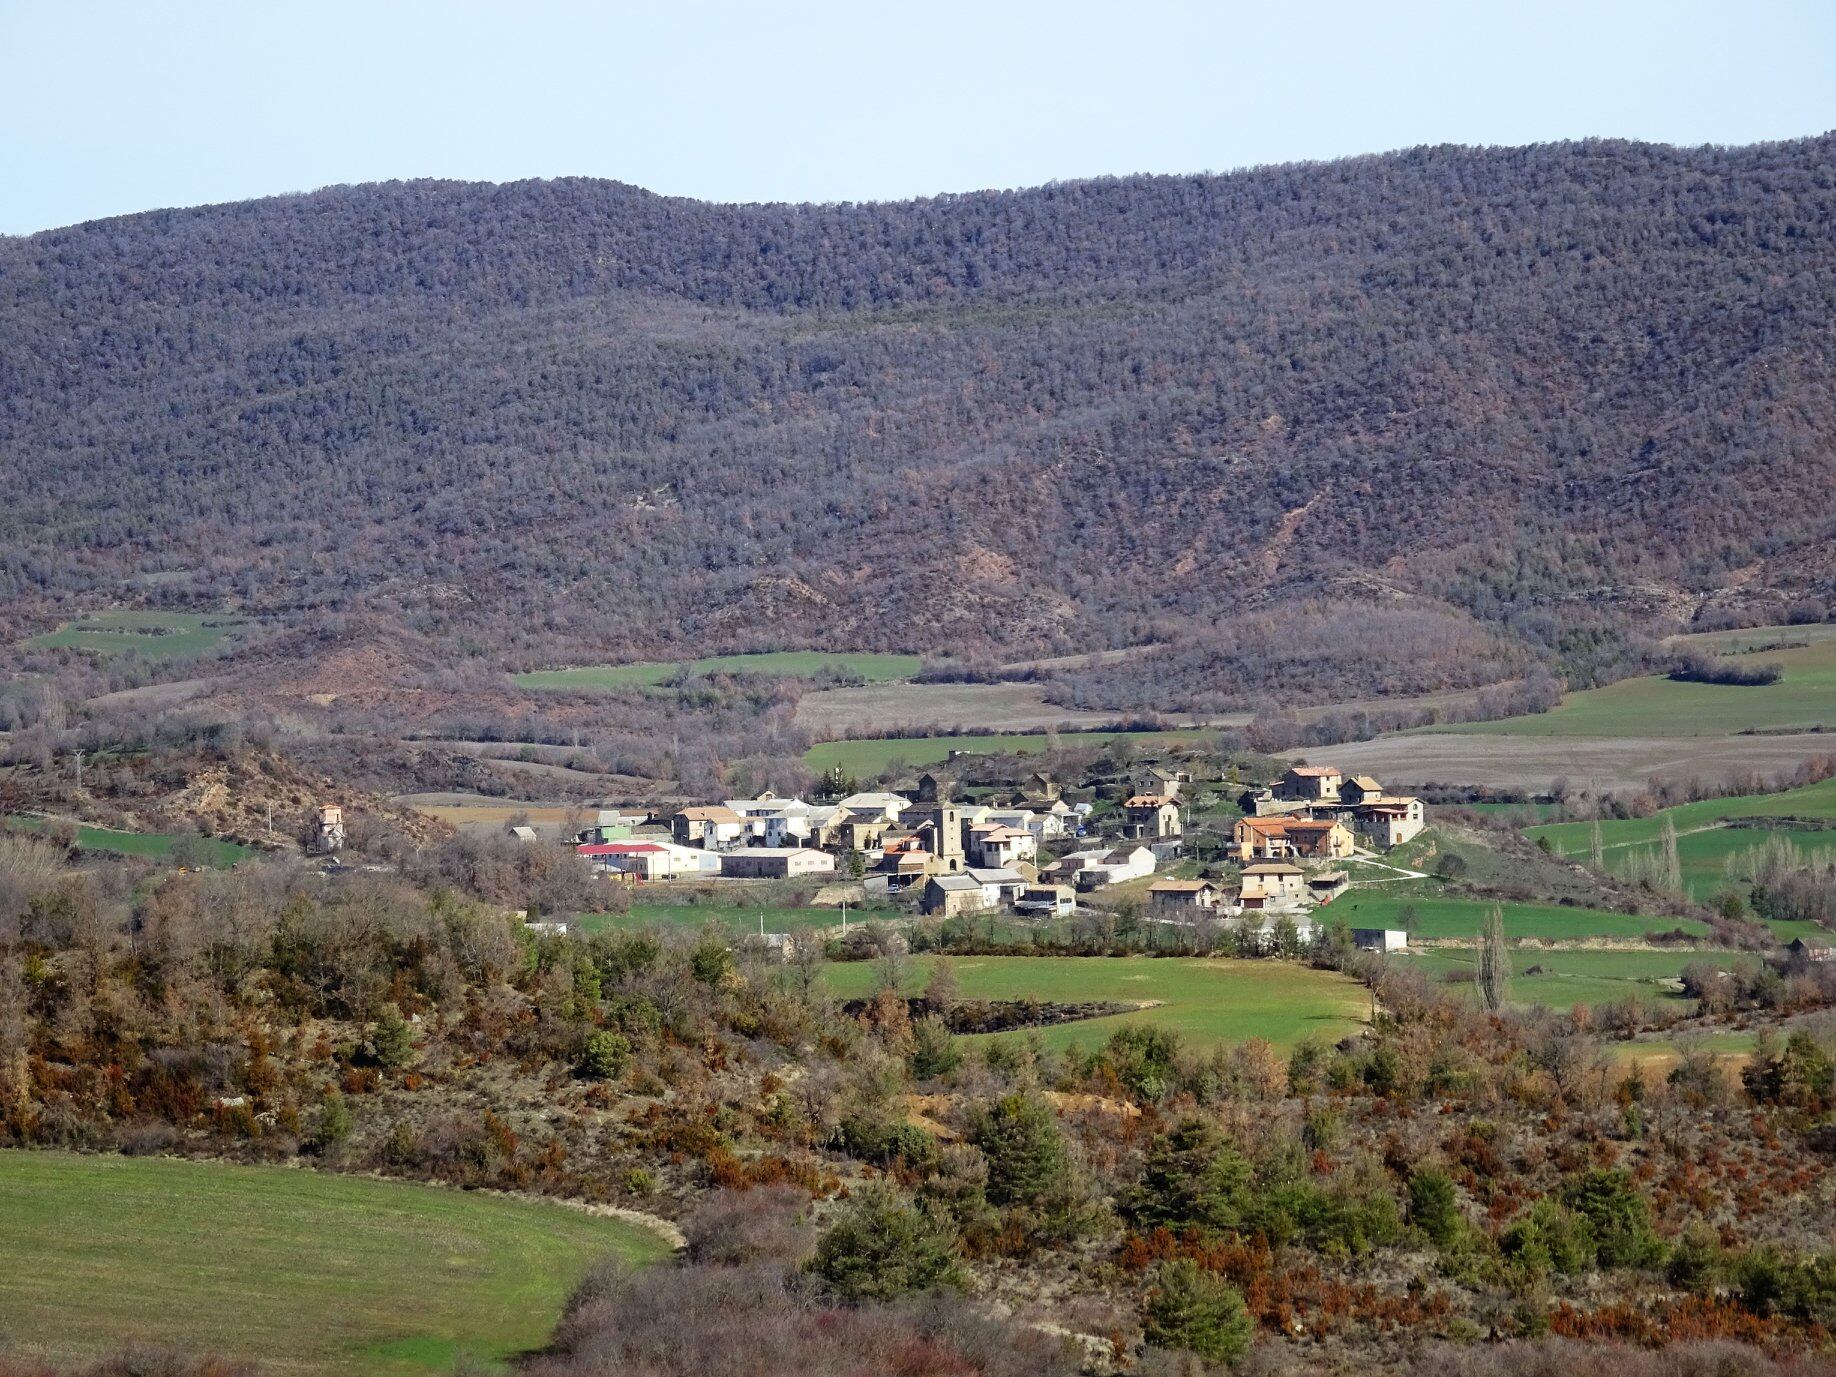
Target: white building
1116, 867
775, 863
995, 845
1388, 821
651, 860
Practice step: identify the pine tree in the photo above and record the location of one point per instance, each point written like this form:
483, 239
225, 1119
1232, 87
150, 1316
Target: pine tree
1019, 1135
1198, 1311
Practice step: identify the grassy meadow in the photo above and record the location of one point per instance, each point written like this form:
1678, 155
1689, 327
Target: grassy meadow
782, 664
1815, 801
308, 1273
866, 758
152, 845
1654, 706
1439, 918
1208, 1000
1563, 979
1706, 843
156, 635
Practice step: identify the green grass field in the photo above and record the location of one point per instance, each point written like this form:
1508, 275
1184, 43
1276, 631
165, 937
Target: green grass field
730, 916
156, 635
153, 845
1655, 706
1567, 978
1573, 838
782, 664
1456, 918
1705, 843
1206, 1000
866, 758
305, 1272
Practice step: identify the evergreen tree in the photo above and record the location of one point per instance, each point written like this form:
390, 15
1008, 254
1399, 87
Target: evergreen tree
1192, 1178
1025, 1148
391, 1040
1196, 1310
882, 1246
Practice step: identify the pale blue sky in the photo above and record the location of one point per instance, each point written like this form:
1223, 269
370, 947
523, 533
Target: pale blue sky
108, 107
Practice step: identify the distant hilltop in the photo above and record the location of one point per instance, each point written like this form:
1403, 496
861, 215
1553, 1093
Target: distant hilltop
1497, 392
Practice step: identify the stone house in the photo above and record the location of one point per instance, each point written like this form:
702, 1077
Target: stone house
1184, 899
1151, 817
1310, 784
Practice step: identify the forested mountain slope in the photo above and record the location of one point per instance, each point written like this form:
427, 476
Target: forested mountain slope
572, 417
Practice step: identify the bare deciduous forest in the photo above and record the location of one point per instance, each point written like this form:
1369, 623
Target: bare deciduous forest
1505, 391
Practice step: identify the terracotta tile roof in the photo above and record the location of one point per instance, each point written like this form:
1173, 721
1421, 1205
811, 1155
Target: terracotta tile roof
716, 813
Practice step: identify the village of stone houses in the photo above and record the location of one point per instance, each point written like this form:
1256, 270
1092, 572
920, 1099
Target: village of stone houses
1037, 848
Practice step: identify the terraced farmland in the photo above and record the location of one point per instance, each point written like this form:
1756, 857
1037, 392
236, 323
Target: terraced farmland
1708, 837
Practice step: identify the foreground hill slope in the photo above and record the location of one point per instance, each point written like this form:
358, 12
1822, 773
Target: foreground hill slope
570, 417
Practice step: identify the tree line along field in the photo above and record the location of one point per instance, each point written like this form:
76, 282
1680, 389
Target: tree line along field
344, 1275
1207, 1000
781, 664
156, 635
873, 756
1654, 706
736, 918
